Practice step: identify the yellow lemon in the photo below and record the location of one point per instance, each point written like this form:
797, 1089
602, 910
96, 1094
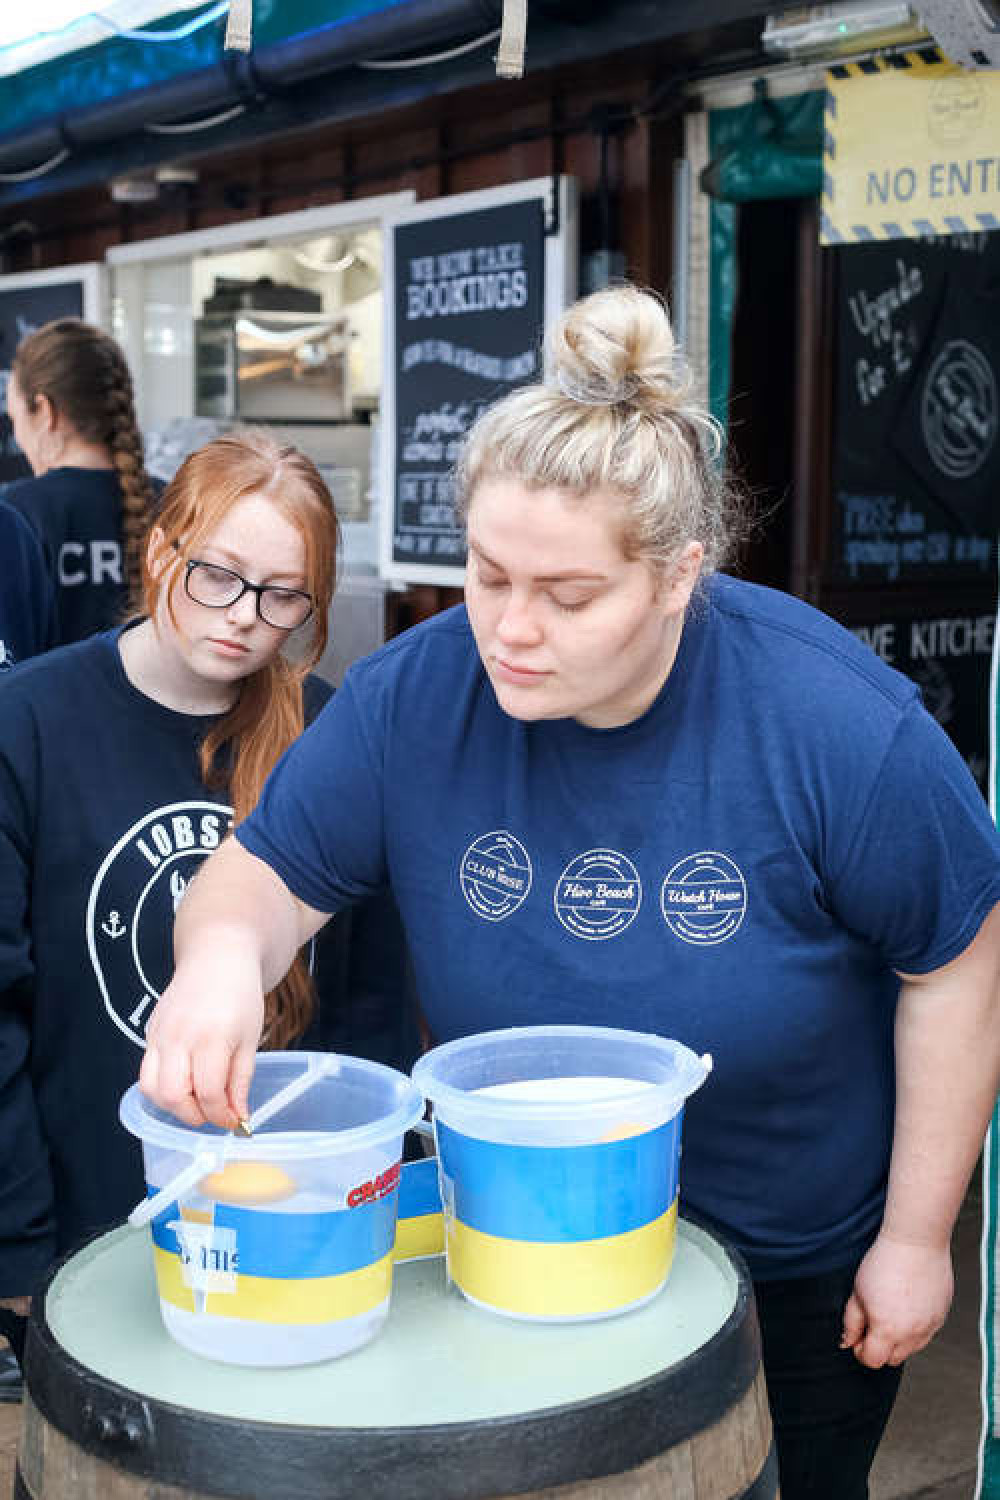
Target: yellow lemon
248, 1182
623, 1131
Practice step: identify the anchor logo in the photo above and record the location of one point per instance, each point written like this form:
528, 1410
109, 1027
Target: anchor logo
141, 883
114, 926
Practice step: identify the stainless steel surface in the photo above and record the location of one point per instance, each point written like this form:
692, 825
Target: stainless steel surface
272, 366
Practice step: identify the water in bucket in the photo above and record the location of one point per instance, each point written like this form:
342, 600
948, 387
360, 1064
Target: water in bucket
277, 1250
558, 1150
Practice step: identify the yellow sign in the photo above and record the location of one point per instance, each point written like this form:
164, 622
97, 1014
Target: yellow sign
912, 147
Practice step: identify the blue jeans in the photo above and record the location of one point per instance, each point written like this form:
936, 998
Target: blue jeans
829, 1411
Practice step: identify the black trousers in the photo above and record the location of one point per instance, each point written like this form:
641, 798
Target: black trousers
829, 1410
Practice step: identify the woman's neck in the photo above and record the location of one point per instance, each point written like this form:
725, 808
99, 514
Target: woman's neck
77, 453
163, 675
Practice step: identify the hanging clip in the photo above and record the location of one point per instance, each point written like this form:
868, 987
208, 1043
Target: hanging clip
239, 26
514, 25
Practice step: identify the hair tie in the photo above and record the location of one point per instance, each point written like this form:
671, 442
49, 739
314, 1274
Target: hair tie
597, 392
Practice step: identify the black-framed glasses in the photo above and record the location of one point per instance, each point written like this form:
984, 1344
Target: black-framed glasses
218, 588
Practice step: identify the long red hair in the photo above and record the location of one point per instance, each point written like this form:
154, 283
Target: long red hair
242, 748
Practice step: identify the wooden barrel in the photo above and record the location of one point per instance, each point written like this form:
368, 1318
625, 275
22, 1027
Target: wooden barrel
449, 1401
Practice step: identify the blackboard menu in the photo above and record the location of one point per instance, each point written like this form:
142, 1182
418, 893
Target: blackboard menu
948, 657
469, 300
22, 310
916, 469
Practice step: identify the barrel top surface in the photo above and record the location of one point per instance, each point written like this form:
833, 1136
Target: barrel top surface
438, 1358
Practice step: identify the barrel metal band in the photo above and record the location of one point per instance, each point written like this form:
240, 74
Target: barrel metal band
218, 1455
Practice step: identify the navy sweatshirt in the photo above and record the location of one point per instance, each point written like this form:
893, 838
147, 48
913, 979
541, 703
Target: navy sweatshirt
104, 820
27, 603
77, 516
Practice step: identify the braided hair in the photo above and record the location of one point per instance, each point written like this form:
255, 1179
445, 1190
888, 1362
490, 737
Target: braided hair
83, 372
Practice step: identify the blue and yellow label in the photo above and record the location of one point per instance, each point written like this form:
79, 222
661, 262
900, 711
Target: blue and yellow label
276, 1267
560, 1231
578, 1279
420, 1223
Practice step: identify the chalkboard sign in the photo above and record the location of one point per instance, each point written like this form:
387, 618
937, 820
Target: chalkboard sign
948, 657
27, 300
916, 470
471, 290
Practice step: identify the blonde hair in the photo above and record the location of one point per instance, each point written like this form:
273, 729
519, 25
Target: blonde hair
615, 412
239, 751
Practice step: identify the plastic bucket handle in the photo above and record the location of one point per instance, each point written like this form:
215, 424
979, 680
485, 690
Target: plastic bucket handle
195, 1170
314, 1071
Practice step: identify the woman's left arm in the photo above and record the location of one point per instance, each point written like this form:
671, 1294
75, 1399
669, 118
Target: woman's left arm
947, 1075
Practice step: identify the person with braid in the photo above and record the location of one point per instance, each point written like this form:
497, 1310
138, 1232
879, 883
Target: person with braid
70, 402
124, 760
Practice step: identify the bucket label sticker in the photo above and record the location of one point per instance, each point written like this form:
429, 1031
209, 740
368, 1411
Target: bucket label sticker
704, 898
208, 1254
495, 875
376, 1187
598, 894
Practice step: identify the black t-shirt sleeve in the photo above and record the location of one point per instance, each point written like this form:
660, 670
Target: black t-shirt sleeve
27, 595
316, 693
27, 1220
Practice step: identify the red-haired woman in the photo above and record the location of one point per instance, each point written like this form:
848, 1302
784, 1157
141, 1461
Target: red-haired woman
71, 405
124, 760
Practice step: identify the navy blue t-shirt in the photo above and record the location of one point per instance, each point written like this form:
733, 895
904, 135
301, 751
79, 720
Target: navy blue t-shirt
742, 868
27, 604
77, 516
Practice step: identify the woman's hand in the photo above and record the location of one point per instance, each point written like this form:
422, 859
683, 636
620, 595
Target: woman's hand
236, 933
901, 1297
201, 1040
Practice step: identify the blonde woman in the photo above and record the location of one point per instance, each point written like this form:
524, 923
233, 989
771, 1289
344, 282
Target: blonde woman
618, 787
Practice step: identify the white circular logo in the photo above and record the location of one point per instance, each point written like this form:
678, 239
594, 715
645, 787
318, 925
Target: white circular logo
598, 894
495, 875
704, 898
135, 894
958, 411
955, 109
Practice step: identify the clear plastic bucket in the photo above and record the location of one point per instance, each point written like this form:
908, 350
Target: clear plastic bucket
277, 1250
558, 1151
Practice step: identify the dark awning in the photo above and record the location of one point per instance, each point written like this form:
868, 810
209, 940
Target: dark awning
94, 113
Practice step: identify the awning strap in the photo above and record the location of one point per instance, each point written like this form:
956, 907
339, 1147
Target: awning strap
510, 55
239, 26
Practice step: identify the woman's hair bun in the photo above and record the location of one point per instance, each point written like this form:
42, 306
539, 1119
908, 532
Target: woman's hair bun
617, 346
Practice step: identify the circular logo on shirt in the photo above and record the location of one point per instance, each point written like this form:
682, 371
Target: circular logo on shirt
495, 875
133, 899
704, 898
598, 894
